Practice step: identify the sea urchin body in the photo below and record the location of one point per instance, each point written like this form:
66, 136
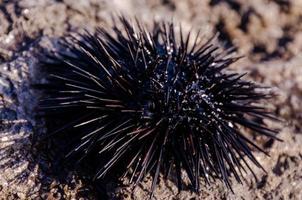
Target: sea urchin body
154, 102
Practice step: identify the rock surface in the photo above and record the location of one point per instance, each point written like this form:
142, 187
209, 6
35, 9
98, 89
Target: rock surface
268, 33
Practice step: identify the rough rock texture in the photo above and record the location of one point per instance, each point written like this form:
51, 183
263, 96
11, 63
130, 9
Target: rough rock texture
268, 33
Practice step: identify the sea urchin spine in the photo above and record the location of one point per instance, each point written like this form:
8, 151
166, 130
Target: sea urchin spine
151, 103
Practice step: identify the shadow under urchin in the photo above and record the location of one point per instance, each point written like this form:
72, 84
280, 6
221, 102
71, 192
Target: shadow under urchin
131, 101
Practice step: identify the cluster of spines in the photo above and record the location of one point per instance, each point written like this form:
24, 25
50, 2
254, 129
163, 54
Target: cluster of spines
153, 103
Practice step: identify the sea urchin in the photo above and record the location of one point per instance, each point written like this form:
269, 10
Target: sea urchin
153, 102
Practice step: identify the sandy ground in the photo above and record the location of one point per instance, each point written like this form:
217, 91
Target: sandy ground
268, 33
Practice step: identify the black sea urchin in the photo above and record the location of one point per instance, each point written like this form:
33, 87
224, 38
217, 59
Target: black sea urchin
151, 102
